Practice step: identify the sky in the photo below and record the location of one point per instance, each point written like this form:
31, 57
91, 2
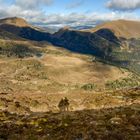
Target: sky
61, 13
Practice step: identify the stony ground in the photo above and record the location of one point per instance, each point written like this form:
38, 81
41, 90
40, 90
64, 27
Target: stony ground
116, 117
122, 123
31, 88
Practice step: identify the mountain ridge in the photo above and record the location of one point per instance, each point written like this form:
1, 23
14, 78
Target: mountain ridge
113, 42
120, 28
21, 28
15, 21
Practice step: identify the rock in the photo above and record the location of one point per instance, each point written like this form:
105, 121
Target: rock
131, 127
136, 107
116, 120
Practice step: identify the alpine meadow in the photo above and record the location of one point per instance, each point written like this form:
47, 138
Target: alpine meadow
70, 70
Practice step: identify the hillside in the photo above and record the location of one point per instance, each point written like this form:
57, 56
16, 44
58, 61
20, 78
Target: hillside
121, 28
19, 27
20, 22
18, 48
115, 42
115, 117
83, 42
120, 123
33, 66
96, 71
47, 74
9, 36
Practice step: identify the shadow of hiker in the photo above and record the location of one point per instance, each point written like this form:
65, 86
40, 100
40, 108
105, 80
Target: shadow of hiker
64, 105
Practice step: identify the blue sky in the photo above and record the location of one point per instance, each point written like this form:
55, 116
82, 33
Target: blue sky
70, 12
81, 6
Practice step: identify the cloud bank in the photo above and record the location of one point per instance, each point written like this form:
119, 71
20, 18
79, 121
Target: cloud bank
75, 19
32, 11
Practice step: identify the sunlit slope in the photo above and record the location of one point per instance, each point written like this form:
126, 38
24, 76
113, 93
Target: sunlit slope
121, 28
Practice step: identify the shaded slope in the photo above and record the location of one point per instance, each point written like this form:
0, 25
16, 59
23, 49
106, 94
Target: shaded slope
9, 36
116, 42
18, 49
21, 28
85, 42
121, 123
26, 32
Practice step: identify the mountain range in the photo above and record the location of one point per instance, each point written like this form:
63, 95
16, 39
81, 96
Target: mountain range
96, 70
115, 42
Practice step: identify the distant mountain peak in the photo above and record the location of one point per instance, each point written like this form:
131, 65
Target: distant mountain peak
15, 21
65, 28
62, 30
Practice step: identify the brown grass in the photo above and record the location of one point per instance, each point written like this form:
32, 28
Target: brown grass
121, 28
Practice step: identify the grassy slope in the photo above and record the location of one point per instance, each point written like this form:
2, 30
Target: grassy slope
122, 28
127, 55
18, 49
36, 84
97, 41
59, 73
120, 123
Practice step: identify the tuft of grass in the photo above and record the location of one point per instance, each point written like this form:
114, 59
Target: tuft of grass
89, 86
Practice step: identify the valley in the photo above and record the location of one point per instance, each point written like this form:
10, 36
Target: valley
56, 74
97, 70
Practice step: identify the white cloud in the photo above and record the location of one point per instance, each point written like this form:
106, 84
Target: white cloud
75, 19
32, 4
19, 12
123, 4
28, 9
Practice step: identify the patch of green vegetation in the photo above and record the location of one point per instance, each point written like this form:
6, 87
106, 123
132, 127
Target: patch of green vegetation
128, 58
17, 50
123, 83
89, 86
34, 103
28, 69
